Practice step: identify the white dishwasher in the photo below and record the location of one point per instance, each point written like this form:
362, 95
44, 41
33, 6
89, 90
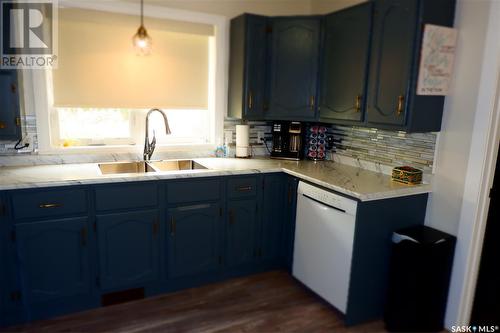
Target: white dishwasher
324, 238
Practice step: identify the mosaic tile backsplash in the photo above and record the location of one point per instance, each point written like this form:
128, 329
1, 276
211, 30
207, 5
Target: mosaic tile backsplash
389, 148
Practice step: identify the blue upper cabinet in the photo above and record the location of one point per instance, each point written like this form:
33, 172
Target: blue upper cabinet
294, 68
346, 40
10, 123
194, 239
397, 38
247, 67
53, 259
129, 249
242, 232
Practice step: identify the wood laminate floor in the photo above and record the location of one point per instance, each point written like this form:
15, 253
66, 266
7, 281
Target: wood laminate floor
268, 302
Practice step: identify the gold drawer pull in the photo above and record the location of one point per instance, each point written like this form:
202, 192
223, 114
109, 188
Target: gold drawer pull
3, 125
50, 205
244, 188
401, 100
357, 106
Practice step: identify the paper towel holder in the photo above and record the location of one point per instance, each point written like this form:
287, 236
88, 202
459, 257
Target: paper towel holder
242, 141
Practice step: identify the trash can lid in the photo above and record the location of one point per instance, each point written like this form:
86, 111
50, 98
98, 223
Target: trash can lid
424, 235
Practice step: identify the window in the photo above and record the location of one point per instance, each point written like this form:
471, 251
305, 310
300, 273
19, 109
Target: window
98, 127
101, 91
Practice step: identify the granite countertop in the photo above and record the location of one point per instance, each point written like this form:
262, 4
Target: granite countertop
355, 182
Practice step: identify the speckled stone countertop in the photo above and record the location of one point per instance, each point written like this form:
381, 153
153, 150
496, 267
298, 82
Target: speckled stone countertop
355, 182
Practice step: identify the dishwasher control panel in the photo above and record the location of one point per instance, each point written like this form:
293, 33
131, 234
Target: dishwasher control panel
328, 198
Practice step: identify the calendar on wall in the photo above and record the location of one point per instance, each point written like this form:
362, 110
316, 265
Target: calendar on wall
436, 61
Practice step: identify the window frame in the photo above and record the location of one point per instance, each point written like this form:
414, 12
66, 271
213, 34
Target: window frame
38, 88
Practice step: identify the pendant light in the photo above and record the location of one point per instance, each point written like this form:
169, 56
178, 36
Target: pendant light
141, 40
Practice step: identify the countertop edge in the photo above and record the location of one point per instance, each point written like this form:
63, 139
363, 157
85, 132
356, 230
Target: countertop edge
420, 189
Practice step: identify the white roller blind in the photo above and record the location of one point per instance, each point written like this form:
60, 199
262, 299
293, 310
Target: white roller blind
98, 67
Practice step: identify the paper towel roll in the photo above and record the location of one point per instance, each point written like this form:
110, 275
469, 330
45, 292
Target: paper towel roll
242, 140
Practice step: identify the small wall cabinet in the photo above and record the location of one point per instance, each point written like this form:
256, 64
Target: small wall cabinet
344, 69
247, 69
294, 68
395, 57
10, 123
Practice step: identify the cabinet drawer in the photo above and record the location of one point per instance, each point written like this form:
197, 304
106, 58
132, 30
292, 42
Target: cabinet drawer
49, 203
126, 196
242, 187
193, 190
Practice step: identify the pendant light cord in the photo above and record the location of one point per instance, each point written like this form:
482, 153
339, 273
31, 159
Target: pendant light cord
142, 12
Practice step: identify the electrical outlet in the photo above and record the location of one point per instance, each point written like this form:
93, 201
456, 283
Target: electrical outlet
260, 136
228, 136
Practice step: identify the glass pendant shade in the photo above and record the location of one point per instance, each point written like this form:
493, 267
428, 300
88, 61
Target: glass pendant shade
142, 42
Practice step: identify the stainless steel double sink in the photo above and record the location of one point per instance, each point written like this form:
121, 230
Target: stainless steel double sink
148, 166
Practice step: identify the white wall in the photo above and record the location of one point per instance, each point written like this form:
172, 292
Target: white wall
461, 182
443, 211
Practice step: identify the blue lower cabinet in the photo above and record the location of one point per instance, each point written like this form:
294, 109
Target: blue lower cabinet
194, 238
53, 260
273, 214
129, 249
242, 232
291, 184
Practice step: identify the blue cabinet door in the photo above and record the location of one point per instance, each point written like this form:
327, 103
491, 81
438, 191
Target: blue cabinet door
242, 232
10, 128
255, 69
194, 239
273, 213
129, 248
345, 64
247, 66
53, 259
395, 26
294, 68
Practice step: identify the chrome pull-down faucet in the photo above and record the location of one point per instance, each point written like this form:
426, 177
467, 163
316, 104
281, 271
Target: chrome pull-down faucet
149, 147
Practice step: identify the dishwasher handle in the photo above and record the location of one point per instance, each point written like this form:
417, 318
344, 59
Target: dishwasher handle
323, 203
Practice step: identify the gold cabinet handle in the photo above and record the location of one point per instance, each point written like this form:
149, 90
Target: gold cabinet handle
312, 102
244, 188
50, 205
3, 125
172, 226
83, 234
357, 105
401, 101
250, 100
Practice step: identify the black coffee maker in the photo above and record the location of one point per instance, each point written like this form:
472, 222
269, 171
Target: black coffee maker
288, 140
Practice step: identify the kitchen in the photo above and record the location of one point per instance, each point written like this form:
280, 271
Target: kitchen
216, 150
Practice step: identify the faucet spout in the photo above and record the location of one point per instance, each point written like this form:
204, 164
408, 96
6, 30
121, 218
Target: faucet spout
149, 147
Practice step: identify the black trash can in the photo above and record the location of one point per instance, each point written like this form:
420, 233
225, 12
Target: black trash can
419, 280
